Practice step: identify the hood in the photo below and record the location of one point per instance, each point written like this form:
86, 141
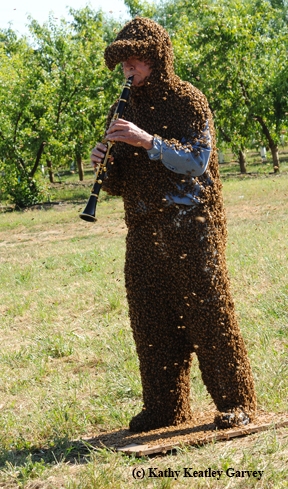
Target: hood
146, 40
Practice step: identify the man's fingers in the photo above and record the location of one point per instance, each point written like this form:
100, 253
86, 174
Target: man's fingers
118, 125
98, 153
99, 150
101, 147
96, 159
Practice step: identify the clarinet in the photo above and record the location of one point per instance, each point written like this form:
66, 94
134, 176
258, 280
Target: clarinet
89, 212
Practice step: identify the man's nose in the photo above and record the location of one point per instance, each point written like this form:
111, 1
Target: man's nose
128, 66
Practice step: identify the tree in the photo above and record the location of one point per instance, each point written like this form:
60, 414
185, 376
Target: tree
74, 77
92, 32
57, 94
236, 53
141, 8
21, 144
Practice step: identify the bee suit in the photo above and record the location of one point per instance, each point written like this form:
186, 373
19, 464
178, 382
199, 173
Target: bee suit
175, 271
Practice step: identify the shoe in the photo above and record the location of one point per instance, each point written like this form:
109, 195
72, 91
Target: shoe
235, 417
149, 420
144, 421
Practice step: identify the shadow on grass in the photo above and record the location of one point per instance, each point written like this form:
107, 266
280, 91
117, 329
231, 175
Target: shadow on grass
79, 451
61, 450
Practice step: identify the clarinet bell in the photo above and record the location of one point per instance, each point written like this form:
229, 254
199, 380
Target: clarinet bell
89, 212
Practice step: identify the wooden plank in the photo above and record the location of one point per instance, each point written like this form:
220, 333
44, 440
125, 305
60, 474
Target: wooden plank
142, 450
133, 448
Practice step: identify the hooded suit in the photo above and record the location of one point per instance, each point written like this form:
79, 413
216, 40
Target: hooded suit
175, 271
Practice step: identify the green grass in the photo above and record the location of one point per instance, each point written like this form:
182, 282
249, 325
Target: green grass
254, 164
68, 362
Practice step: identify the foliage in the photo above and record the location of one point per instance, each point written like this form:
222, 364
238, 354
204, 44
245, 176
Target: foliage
72, 57
21, 143
55, 90
141, 8
55, 93
236, 53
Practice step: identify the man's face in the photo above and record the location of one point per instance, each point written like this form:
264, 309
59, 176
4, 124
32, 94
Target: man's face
139, 69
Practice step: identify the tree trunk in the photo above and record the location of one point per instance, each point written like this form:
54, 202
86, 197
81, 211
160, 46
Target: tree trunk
38, 158
272, 145
50, 171
275, 158
80, 167
242, 161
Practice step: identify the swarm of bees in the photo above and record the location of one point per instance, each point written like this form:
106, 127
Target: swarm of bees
176, 275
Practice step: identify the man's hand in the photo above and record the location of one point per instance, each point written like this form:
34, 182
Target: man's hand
97, 155
127, 132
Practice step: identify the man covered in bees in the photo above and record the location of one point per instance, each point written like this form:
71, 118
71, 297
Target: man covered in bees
166, 170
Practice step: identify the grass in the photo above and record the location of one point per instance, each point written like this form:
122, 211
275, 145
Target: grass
68, 362
255, 166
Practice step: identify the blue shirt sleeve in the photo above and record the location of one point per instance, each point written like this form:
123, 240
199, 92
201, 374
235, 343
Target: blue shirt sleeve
183, 160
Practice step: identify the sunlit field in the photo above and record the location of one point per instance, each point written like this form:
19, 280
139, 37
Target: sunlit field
69, 369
